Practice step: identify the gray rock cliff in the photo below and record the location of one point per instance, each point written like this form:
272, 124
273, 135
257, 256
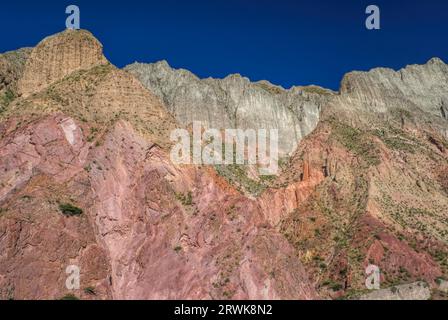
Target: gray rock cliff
235, 102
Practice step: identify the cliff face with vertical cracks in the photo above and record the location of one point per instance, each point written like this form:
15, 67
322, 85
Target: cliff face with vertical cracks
235, 102
58, 56
86, 179
94, 138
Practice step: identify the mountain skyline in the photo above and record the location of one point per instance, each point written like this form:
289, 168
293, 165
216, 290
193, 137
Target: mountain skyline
287, 43
88, 183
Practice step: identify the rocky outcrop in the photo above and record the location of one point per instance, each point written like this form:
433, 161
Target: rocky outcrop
57, 56
235, 102
11, 69
42, 167
137, 237
12, 65
413, 291
86, 179
145, 228
414, 88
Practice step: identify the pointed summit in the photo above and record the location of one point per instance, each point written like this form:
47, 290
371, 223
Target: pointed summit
436, 60
59, 55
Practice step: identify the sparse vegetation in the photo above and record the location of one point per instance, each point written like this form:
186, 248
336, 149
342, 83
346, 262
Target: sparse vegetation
356, 141
396, 140
92, 135
332, 285
332, 211
7, 97
316, 90
440, 280
90, 291
237, 176
228, 294
185, 199
69, 297
336, 287
70, 210
270, 87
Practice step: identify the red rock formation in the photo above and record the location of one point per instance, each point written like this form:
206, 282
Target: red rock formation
133, 222
306, 171
149, 229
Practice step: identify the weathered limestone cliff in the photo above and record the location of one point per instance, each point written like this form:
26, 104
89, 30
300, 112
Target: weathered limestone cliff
416, 95
235, 102
421, 86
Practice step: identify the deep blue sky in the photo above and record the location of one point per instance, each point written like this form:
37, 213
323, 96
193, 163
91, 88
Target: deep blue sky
284, 41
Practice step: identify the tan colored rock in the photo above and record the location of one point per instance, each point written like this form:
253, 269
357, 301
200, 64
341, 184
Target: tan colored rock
57, 56
11, 68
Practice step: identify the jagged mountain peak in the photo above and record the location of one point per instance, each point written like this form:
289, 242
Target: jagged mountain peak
435, 60
352, 81
419, 89
163, 66
234, 101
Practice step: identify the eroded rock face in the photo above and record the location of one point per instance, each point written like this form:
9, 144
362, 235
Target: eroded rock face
235, 102
12, 65
219, 245
39, 163
415, 89
57, 56
424, 86
136, 239
367, 185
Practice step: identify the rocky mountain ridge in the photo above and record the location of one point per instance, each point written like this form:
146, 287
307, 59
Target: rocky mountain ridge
235, 102
86, 179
